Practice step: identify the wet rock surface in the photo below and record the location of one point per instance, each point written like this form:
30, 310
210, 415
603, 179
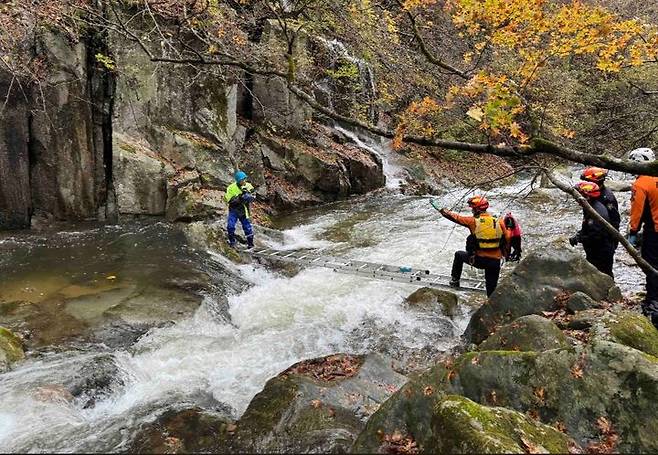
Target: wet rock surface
435, 300
188, 431
527, 333
316, 406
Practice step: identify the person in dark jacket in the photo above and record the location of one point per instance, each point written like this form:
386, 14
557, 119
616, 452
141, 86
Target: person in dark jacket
599, 244
598, 175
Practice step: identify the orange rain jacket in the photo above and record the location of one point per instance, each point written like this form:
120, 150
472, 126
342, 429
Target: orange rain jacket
469, 222
644, 204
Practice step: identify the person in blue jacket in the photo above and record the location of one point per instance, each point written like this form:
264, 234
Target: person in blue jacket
239, 195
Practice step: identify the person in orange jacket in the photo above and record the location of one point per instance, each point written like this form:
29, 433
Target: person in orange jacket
489, 238
644, 214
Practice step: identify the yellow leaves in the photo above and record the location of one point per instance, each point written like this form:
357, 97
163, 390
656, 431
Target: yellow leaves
410, 5
476, 113
538, 30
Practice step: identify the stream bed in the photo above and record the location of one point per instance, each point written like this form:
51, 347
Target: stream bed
124, 322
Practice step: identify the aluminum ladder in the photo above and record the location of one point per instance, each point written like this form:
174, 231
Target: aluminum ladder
419, 277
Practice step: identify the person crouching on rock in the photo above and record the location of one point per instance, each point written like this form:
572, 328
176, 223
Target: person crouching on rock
489, 239
599, 244
238, 197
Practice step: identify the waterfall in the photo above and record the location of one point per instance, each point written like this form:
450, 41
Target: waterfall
395, 174
338, 51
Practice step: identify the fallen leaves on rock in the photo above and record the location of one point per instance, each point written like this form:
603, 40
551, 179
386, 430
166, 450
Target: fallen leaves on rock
316, 404
333, 367
608, 439
530, 447
428, 391
231, 428
577, 368
397, 443
580, 335
561, 299
173, 445
540, 394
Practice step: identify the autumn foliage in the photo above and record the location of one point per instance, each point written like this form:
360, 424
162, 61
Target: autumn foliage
520, 41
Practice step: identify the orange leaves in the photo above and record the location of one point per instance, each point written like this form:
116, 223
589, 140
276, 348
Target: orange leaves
608, 440
419, 118
397, 443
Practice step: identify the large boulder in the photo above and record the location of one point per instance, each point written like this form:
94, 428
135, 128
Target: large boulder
527, 333
434, 300
627, 328
309, 170
600, 391
316, 406
139, 178
463, 426
188, 431
11, 349
537, 284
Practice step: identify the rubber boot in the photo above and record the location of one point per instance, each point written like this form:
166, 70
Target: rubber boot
231, 240
454, 283
250, 242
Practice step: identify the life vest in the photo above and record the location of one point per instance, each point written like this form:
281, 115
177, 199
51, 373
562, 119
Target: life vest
488, 232
512, 225
233, 192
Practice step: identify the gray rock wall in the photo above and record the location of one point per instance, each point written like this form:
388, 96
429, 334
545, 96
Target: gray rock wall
52, 142
15, 202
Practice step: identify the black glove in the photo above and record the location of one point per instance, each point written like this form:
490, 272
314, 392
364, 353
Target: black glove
247, 197
575, 240
515, 256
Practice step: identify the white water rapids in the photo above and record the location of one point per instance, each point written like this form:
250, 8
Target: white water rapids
208, 361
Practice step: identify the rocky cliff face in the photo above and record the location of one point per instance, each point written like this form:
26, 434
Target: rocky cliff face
53, 159
108, 132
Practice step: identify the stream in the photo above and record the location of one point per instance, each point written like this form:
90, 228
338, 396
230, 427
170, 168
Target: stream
220, 354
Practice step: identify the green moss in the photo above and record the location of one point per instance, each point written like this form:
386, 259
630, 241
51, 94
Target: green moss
268, 407
126, 147
464, 426
633, 330
528, 333
10, 345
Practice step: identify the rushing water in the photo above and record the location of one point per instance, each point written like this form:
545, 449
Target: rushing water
220, 357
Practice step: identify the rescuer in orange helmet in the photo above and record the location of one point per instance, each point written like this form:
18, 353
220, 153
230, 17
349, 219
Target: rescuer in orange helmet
599, 244
489, 239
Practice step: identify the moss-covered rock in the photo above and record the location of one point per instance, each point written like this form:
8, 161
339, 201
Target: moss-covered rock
430, 299
309, 408
463, 426
573, 387
630, 329
11, 349
537, 284
410, 411
527, 333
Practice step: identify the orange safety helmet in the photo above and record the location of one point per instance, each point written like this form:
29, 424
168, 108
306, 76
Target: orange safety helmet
588, 189
594, 174
479, 203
